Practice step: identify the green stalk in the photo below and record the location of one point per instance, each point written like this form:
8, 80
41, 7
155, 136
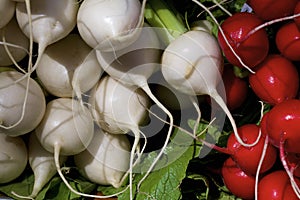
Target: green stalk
159, 14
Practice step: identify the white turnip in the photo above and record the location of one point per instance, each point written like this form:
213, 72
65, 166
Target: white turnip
66, 129
193, 64
46, 21
13, 157
110, 25
68, 66
134, 65
22, 103
106, 159
7, 11
119, 109
15, 44
42, 164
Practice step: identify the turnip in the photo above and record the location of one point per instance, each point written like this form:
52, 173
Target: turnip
22, 103
46, 21
193, 64
13, 156
66, 129
134, 65
42, 164
110, 25
7, 11
120, 108
15, 44
68, 66
106, 159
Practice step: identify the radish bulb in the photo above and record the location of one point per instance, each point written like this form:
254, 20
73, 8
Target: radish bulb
193, 64
47, 22
68, 66
13, 157
22, 104
66, 129
110, 25
106, 159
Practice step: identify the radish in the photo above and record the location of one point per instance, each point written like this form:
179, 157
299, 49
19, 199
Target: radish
42, 164
282, 123
66, 129
193, 64
272, 9
247, 158
106, 159
276, 185
17, 44
276, 80
238, 182
118, 20
297, 11
68, 66
22, 103
46, 21
14, 157
287, 41
252, 49
236, 88
7, 11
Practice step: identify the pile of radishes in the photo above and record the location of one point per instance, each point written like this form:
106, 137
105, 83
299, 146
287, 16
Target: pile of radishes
74, 81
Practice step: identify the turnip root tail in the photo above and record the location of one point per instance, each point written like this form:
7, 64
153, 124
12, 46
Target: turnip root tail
215, 95
58, 168
160, 105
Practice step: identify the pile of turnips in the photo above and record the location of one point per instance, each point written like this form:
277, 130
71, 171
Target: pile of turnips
74, 83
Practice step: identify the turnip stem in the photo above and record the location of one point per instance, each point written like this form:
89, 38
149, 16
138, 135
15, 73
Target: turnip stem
158, 14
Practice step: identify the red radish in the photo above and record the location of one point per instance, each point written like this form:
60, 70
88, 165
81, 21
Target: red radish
236, 88
287, 41
272, 9
283, 123
276, 185
251, 49
276, 80
238, 182
247, 158
297, 11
